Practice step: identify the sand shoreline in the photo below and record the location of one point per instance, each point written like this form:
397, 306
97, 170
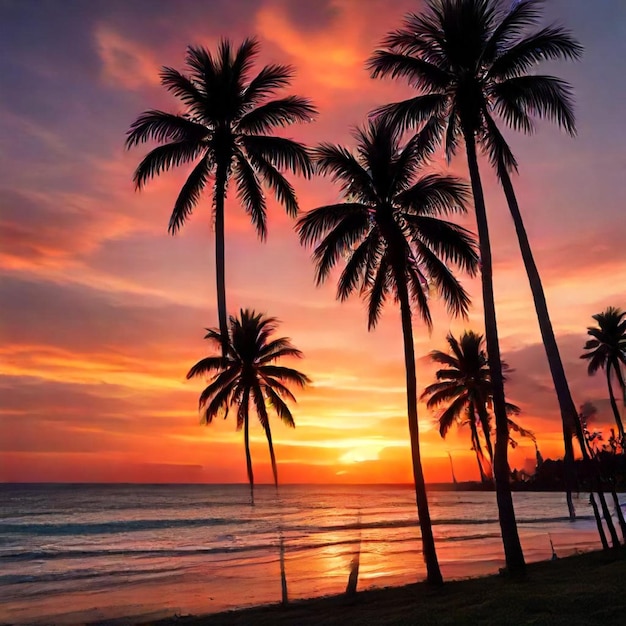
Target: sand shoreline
581, 589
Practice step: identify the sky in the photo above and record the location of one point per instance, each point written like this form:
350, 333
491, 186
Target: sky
103, 312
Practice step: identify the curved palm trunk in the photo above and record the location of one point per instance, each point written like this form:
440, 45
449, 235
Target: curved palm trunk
608, 519
618, 512
506, 513
484, 422
268, 434
618, 419
220, 264
283, 573
433, 573
246, 440
596, 514
569, 415
477, 446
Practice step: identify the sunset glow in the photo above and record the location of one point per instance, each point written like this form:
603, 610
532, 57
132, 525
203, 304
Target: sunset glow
103, 312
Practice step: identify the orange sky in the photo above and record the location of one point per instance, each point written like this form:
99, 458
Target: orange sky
103, 312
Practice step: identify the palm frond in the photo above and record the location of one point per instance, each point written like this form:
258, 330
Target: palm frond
250, 195
496, 147
420, 74
163, 158
377, 293
184, 89
355, 269
286, 374
190, 194
267, 82
522, 15
552, 42
542, 96
281, 408
159, 126
343, 168
280, 186
451, 414
280, 152
338, 242
282, 112
207, 366
435, 194
448, 241
317, 223
411, 113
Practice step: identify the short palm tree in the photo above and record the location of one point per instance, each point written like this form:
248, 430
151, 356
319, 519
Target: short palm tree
247, 376
607, 350
225, 131
470, 59
464, 386
391, 233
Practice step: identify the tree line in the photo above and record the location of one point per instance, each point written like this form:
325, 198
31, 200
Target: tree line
472, 64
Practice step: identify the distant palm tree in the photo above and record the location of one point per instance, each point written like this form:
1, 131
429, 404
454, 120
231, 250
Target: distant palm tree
470, 59
247, 376
225, 130
607, 350
465, 387
395, 243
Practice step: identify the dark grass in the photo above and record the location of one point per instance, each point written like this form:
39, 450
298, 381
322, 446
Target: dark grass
583, 589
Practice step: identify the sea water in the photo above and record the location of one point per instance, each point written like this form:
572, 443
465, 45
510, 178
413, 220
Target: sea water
76, 553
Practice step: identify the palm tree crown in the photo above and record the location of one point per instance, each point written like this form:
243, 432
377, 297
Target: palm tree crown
473, 59
464, 385
225, 130
607, 350
389, 229
248, 376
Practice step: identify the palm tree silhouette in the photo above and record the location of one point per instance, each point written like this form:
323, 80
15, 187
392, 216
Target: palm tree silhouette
465, 387
607, 350
469, 59
225, 132
395, 243
247, 375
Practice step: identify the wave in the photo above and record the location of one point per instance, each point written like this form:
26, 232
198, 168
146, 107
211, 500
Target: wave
130, 526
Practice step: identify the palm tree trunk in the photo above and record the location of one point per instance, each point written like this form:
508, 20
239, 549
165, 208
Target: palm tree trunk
607, 518
596, 514
433, 573
477, 447
618, 512
569, 415
506, 513
246, 440
220, 269
618, 419
268, 434
484, 422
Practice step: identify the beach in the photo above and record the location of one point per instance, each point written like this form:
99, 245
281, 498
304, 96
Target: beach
88, 553
576, 591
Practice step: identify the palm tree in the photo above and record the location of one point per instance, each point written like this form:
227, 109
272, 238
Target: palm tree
225, 130
247, 376
470, 60
395, 243
465, 386
607, 350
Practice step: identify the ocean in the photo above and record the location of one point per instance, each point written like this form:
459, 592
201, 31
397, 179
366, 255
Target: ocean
76, 553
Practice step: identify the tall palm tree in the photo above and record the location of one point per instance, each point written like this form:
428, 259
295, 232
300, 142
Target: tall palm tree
470, 60
225, 131
395, 242
607, 351
248, 376
465, 387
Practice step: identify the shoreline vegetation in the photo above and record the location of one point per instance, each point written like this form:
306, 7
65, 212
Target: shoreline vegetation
580, 589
